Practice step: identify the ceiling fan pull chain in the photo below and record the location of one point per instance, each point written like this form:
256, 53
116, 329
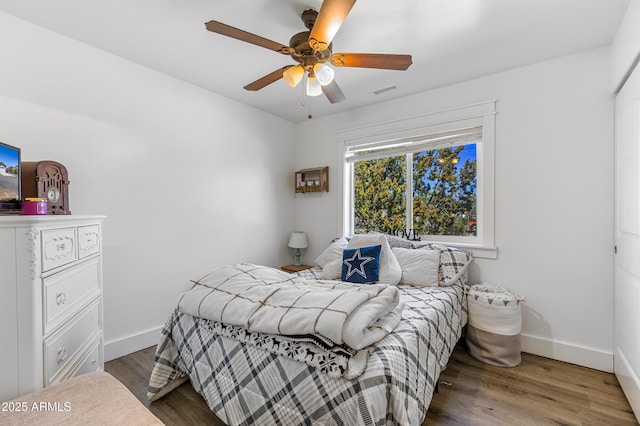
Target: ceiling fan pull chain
304, 91
304, 102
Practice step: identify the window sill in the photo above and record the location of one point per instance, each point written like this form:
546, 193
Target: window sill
479, 252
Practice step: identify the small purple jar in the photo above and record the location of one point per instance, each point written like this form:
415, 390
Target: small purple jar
34, 206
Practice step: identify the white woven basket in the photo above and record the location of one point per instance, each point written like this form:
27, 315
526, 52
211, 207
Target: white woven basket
494, 325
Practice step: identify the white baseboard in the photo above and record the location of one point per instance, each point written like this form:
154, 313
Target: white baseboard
121, 347
573, 354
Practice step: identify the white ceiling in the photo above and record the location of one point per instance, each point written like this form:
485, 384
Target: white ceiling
450, 40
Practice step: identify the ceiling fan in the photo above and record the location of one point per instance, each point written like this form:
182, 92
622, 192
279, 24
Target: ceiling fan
312, 50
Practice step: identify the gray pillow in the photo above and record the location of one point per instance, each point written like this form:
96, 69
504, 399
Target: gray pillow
399, 242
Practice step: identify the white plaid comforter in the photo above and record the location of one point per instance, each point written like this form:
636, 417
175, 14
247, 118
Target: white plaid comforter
246, 385
267, 300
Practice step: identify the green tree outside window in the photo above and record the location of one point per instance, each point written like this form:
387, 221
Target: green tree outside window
443, 193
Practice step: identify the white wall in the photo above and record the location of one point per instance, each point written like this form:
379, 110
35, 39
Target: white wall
625, 49
189, 180
554, 204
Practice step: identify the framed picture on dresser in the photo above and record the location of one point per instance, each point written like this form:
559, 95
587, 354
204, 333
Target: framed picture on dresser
10, 178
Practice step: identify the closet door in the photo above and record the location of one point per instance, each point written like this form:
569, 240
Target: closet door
627, 240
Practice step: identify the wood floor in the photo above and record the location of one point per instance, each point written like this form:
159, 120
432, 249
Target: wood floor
539, 391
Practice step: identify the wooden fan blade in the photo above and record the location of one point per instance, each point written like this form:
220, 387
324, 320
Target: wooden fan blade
267, 79
371, 60
238, 34
333, 92
330, 17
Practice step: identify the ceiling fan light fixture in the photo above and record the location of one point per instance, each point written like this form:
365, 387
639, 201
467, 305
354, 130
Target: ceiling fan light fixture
313, 87
293, 75
324, 74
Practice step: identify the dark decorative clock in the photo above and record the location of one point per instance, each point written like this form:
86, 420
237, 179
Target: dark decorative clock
48, 180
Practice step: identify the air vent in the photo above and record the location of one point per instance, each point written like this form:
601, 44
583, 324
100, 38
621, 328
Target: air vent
384, 90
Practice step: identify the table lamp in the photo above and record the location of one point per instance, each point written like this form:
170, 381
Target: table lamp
298, 240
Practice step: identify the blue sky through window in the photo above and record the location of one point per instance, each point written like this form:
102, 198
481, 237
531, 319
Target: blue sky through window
8, 156
468, 153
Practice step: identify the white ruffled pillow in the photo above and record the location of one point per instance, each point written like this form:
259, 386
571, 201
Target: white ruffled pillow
419, 267
390, 272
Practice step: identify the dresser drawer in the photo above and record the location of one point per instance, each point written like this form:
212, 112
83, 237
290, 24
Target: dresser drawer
66, 292
91, 362
85, 362
88, 240
59, 247
63, 348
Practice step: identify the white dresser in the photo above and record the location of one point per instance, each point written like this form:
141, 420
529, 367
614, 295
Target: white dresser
50, 300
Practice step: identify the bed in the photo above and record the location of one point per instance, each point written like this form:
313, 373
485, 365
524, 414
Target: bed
251, 377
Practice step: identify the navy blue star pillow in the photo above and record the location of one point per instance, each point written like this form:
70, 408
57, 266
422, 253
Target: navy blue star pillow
361, 265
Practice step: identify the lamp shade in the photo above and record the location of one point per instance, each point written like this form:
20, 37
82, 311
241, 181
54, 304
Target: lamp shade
293, 75
298, 240
313, 87
324, 73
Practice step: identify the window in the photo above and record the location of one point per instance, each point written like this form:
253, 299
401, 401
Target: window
429, 177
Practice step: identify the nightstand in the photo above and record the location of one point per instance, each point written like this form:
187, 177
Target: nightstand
293, 268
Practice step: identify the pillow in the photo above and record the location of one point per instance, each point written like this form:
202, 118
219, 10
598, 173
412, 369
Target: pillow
454, 263
390, 271
332, 270
361, 265
331, 253
419, 267
395, 241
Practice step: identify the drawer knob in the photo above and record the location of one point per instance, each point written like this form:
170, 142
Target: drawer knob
61, 298
62, 354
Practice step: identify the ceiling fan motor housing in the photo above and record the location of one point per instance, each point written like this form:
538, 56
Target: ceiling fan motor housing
304, 54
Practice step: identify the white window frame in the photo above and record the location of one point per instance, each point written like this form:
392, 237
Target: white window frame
480, 114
